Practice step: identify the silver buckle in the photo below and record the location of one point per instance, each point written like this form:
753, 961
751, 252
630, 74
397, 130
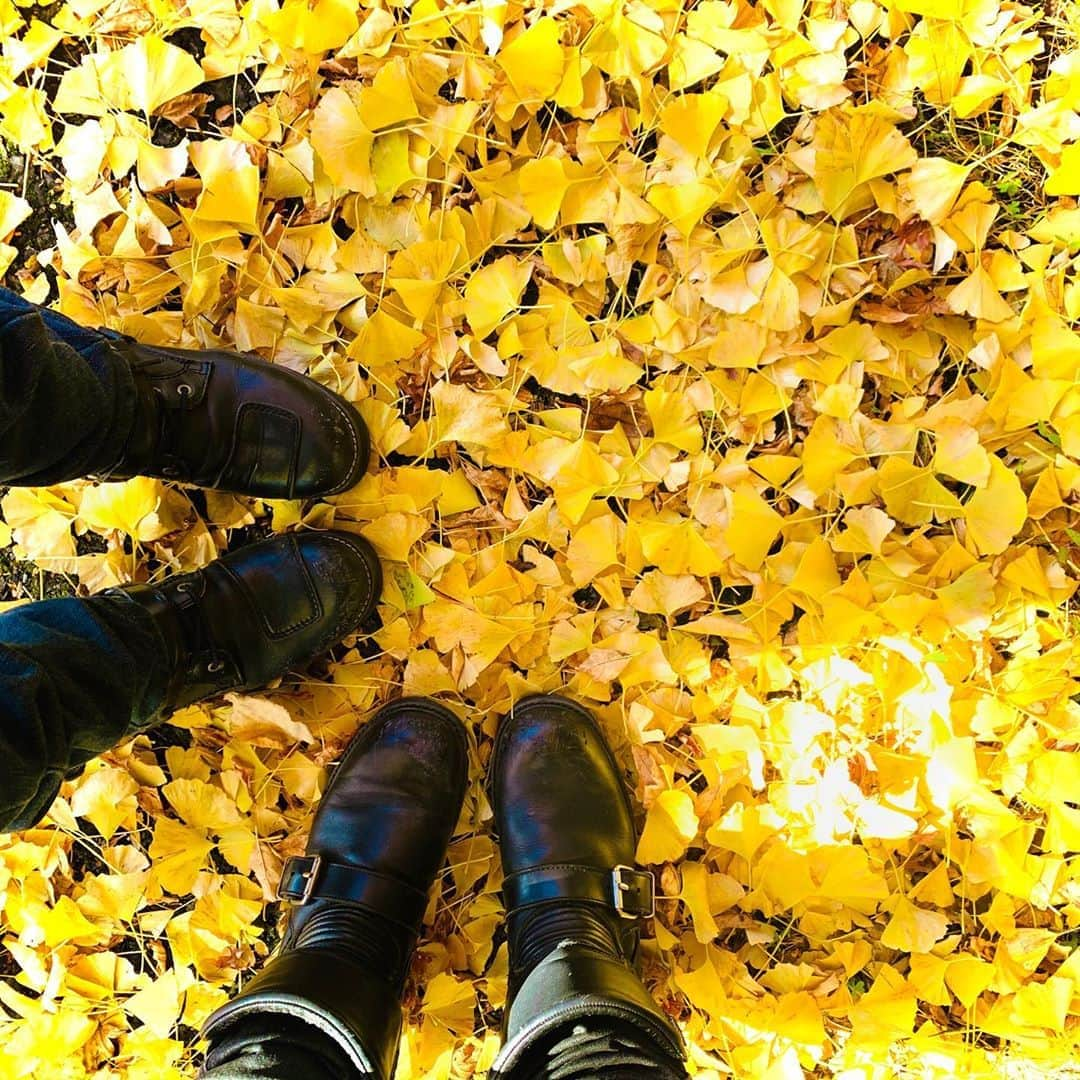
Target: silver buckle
620, 887
310, 876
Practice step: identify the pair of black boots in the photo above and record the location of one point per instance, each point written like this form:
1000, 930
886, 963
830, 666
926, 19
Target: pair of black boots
574, 902
236, 423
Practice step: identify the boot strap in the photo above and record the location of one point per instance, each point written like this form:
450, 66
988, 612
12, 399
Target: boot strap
310, 877
630, 892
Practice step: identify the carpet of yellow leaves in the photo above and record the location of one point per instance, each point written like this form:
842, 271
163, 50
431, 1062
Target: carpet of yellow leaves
721, 372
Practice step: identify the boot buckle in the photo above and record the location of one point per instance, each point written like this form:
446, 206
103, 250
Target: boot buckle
622, 888
309, 877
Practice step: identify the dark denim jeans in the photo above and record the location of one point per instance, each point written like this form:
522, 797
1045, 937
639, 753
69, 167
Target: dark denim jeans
76, 676
67, 401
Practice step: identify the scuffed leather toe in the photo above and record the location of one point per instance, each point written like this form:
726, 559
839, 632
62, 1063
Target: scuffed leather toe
304, 593
333, 454
557, 792
347, 578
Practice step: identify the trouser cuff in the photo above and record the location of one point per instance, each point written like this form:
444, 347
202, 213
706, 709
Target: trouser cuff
359, 1013
255, 1049
577, 983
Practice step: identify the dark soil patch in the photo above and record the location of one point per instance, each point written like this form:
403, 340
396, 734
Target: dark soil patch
21, 580
43, 190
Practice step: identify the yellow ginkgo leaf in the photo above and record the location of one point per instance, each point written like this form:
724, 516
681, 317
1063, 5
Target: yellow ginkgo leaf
33, 48
462, 415
64, 921
695, 894
105, 798
418, 273
753, 527
997, 512
664, 594
912, 495
534, 61
914, 929
260, 722
230, 191
593, 548
576, 470
147, 73
391, 167
389, 100
674, 419
543, 184
130, 507
1065, 178
669, 827
343, 141
159, 1005
24, 121
393, 535
692, 119
683, 204
959, 454
14, 210
967, 977
40, 523
201, 805
677, 547
178, 854
449, 1003
977, 296
384, 339
311, 27
932, 186
850, 148
493, 291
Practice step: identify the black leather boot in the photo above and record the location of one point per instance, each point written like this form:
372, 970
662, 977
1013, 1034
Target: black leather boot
574, 902
235, 422
249, 616
378, 840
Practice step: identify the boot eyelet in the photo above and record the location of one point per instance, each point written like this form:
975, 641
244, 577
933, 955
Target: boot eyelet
170, 470
215, 666
185, 390
183, 586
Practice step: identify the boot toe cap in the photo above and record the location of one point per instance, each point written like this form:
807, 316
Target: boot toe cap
394, 800
333, 451
557, 791
346, 574
419, 749
293, 438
